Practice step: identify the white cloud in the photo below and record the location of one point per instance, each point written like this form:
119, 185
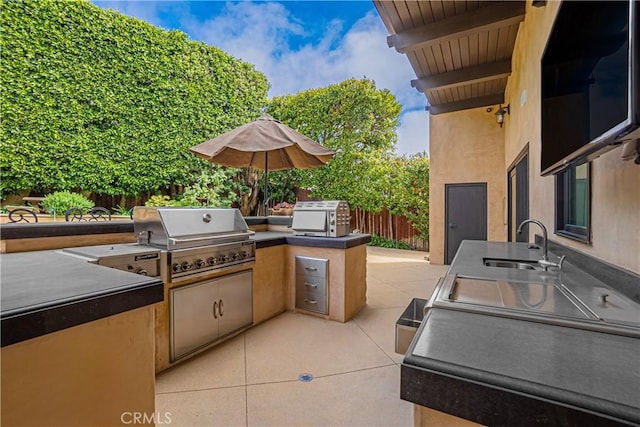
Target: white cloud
413, 132
148, 11
262, 34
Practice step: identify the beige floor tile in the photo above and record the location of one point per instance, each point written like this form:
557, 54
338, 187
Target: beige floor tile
389, 254
206, 408
417, 289
363, 398
292, 344
380, 325
403, 274
221, 366
386, 296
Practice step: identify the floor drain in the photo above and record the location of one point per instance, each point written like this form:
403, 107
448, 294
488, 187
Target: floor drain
305, 378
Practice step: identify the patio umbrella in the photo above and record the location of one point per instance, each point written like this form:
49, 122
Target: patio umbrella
264, 144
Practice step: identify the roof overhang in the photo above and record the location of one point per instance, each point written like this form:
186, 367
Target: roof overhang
460, 50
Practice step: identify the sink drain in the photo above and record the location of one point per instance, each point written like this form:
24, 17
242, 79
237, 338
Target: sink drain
305, 378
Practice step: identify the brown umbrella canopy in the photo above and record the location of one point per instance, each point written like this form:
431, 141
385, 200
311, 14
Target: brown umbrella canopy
264, 144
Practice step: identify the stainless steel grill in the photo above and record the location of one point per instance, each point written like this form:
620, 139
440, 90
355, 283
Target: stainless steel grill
199, 240
181, 228
322, 218
190, 249
203, 306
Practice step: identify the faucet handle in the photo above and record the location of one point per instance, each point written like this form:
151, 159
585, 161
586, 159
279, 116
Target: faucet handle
561, 262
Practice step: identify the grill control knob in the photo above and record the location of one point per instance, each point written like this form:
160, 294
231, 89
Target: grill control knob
235, 256
245, 254
141, 271
176, 268
200, 263
211, 261
186, 266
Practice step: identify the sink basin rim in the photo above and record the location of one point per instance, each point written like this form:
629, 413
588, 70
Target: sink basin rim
517, 264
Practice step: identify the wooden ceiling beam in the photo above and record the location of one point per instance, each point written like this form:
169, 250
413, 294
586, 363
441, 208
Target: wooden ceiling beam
464, 76
485, 18
467, 104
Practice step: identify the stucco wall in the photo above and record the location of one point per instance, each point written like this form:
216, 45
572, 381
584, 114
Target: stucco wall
465, 147
615, 203
95, 374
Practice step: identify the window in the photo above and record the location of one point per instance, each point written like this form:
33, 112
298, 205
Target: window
573, 200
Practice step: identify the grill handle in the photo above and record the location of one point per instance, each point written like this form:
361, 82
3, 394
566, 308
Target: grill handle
217, 238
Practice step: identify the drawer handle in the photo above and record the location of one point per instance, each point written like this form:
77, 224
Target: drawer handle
311, 268
311, 285
310, 301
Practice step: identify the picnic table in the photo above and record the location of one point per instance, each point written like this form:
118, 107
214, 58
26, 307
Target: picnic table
34, 201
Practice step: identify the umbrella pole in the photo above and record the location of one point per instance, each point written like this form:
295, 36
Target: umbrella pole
266, 180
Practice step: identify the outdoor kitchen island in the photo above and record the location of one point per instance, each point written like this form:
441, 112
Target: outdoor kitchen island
77, 341
275, 274
537, 357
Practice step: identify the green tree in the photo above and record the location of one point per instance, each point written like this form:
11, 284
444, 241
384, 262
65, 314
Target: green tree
96, 101
410, 191
358, 121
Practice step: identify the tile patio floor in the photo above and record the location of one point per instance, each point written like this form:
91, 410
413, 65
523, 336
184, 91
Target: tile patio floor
252, 379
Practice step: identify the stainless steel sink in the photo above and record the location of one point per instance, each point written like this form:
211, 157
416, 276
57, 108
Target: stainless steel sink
511, 263
533, 301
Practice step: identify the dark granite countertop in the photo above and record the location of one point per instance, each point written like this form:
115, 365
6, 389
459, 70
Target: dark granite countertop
45, 291
508, 371
271, 238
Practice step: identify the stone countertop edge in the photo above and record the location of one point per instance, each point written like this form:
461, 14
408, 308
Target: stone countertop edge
26, 324
56, 229
45, 291
492, 390
267, 238
490, 405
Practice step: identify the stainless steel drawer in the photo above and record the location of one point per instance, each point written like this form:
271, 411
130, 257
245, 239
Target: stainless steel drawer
317, 267
312, 301
308, 283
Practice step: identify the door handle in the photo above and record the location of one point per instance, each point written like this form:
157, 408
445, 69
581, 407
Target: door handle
221, 308
215, 307
311, 268
310, 301
452, 225
311, 285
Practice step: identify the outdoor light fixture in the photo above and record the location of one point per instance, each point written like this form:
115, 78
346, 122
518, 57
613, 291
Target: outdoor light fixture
500, 112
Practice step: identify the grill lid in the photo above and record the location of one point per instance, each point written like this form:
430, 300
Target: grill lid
184, 227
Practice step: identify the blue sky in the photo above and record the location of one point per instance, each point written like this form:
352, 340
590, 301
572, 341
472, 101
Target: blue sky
299, 45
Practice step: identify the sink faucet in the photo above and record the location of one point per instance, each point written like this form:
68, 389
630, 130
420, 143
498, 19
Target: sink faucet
544, 262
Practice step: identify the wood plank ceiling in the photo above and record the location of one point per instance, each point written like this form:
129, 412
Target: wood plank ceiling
460, 50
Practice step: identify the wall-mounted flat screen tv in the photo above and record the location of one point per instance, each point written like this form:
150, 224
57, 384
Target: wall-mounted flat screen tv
590, 82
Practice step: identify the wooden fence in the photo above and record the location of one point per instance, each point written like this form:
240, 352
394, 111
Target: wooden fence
384, 224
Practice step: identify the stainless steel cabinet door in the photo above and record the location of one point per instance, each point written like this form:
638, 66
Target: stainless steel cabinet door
194, 317
235, 301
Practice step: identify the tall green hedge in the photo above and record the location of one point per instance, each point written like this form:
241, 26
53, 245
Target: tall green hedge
93, 100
